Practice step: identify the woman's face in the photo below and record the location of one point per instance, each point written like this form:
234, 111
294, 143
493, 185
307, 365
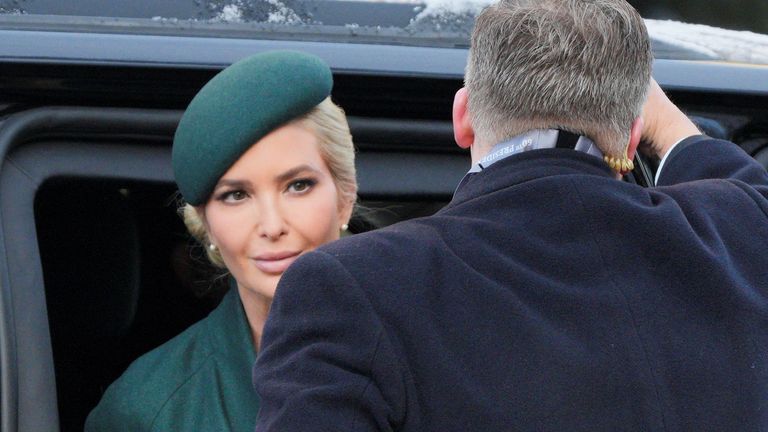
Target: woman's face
275, 203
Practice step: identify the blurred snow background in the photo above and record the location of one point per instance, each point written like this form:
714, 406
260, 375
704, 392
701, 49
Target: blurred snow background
672, 39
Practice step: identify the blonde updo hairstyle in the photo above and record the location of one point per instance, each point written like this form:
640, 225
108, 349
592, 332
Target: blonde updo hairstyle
329, 124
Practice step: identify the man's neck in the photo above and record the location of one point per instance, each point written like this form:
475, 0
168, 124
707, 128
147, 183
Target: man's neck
478, 151
484, 155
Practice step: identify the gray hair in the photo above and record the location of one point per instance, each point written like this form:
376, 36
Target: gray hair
578, 65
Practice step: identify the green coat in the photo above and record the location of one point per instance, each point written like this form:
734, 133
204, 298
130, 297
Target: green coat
198, 381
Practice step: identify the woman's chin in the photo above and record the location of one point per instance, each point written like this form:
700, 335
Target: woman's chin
263, 286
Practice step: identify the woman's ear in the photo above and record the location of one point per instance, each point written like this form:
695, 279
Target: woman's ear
200, 210
345, 212
462, 126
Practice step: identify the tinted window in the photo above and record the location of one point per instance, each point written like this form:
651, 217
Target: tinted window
444, 23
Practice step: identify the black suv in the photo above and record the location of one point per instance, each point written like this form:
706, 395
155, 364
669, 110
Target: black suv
96, 267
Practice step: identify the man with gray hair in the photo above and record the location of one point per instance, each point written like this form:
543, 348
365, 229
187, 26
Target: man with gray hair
580, 66
548, 295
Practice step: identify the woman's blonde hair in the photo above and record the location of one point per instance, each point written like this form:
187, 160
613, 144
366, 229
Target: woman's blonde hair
329, 124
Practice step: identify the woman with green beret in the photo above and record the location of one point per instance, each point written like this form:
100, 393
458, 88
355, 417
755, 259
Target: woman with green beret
265, 163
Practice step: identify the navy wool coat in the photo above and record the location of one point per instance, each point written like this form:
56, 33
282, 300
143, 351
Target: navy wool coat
547, 296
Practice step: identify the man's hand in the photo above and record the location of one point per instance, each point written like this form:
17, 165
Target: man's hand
664, 123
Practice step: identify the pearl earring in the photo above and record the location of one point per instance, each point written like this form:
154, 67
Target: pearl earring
212, 247
344, 227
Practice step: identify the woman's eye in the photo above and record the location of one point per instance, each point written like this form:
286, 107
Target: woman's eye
233, 196
300, 186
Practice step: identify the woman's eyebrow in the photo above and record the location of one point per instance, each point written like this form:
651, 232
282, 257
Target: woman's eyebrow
293, 172
232, 183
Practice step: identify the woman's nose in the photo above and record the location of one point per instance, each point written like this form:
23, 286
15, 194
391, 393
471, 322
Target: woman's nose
271, 223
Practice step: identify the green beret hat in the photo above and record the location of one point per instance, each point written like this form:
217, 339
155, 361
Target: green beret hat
239, 106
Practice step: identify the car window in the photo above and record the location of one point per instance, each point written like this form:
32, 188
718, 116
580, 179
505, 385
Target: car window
725, 30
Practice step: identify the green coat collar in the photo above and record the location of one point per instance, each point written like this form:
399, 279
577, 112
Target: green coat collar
199, 380
229, 331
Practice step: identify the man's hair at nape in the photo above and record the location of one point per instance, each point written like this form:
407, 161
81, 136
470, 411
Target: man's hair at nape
578, 65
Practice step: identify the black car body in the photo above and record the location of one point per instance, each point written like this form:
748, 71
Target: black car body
96, 267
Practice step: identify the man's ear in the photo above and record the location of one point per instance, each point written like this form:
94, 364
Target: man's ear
462, 127
635, 133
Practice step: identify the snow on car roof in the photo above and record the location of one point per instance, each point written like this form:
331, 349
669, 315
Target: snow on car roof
712, 42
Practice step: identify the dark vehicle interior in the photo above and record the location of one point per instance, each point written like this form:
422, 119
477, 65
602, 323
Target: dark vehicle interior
96, 266
90, 180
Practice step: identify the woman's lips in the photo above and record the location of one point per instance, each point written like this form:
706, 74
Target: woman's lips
275, 262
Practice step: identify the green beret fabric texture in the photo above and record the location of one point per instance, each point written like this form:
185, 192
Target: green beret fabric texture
239, 106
